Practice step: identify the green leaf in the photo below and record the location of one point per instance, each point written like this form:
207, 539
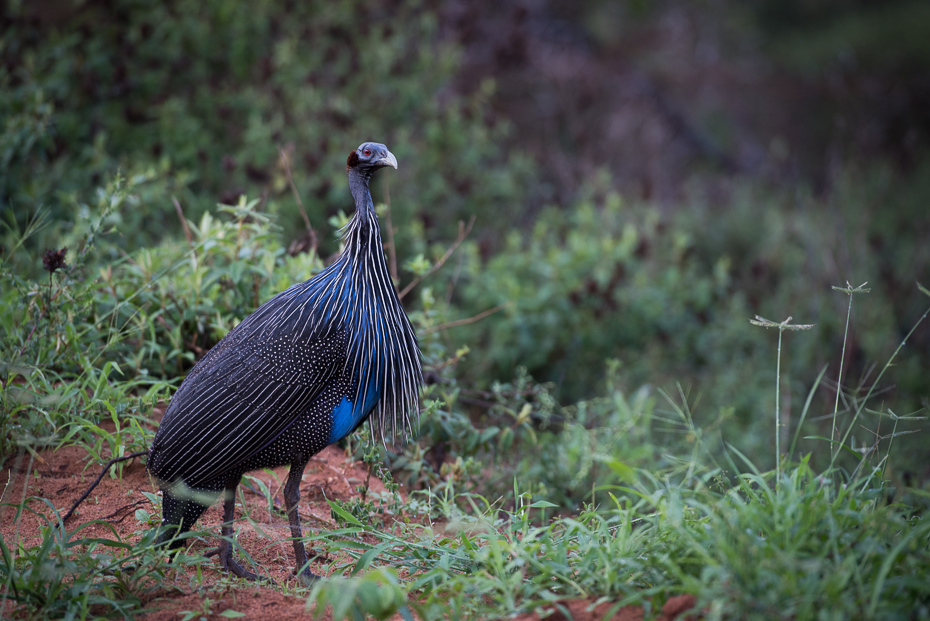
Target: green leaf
541, 504
625, 472
345, 515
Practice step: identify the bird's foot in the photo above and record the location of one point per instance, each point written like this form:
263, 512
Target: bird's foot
306, 578
236, 569
230, 565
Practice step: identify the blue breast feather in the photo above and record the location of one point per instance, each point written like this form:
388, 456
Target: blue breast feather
347, 416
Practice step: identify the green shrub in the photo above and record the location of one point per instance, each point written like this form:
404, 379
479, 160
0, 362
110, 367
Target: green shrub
209, 93
669, 295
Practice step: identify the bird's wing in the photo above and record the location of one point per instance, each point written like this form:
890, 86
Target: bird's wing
244, 393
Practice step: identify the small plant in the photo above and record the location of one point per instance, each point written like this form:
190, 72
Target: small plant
206, 611
66, 575
848, 290
861, 404
378, 593
149, 519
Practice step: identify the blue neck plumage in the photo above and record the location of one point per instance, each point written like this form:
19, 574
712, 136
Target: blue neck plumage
355, 295
364, 266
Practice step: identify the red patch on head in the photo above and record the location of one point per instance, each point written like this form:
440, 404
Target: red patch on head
352, 160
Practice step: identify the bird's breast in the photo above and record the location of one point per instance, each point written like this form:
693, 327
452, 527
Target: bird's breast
353, 409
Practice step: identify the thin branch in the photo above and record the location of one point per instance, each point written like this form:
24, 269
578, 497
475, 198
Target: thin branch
31, 332
300, 203
43, 312
123, 508
392, 249
462, 322
187, 231
463, 233
450, 289
195, 348
102, 472
453, 360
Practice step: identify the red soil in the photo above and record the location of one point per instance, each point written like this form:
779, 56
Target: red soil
61, 478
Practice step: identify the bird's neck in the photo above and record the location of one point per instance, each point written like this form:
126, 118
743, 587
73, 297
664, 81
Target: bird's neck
362, 233
358, 185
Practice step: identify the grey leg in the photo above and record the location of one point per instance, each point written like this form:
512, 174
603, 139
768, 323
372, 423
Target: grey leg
226, 547
291, 497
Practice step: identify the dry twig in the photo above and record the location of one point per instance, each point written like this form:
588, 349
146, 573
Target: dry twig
300, 203
187, 231
94, 484
463, 233
462, 322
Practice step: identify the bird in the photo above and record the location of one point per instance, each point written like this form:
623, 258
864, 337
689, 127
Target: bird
303, 371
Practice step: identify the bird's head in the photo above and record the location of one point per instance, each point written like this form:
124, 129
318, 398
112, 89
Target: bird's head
369, 157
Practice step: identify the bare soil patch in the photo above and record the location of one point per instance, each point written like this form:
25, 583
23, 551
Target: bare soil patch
60, 476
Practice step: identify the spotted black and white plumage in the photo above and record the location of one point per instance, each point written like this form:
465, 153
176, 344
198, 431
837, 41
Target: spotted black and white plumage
300, 373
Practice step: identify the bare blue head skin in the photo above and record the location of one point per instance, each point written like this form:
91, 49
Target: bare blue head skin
369, 157
360, 166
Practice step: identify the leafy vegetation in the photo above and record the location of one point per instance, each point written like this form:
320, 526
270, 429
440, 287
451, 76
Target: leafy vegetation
608, 514
600, 421
150, 88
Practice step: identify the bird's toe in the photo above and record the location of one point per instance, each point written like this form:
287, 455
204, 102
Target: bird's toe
236, 569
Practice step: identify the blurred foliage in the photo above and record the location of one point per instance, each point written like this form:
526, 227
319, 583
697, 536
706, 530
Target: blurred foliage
670, 296
875, 34
863, 66
215, 95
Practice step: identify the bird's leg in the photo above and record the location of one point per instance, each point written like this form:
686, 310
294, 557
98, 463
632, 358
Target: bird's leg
291, 497
226, 532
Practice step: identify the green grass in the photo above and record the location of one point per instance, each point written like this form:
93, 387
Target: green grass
741, 548
69, 576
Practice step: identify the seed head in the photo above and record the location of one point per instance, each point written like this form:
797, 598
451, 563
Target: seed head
54, 260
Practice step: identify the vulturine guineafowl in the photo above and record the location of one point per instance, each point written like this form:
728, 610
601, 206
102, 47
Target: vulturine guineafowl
300, 373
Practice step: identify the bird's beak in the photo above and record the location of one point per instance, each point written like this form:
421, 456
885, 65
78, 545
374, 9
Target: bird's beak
388, 160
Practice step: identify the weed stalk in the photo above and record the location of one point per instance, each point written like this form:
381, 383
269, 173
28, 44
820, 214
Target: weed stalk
862, 403
848, 290
785, 325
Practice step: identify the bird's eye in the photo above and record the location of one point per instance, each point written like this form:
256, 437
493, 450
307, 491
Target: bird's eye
367, 151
